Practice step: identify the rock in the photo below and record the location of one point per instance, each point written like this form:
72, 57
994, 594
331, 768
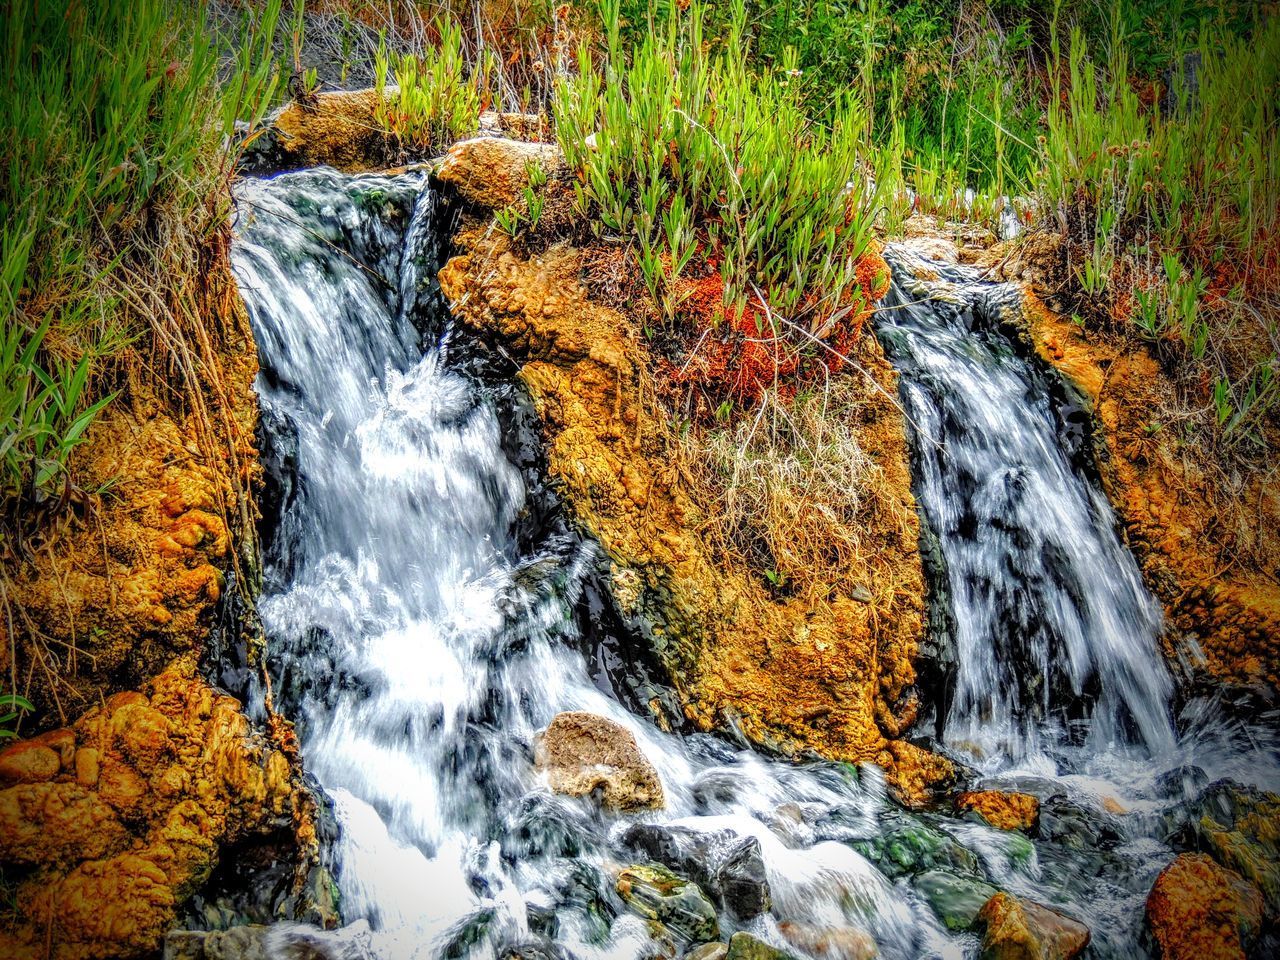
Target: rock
743, 946
956, 900
742, 882
830, 943
1003, 810
28, 762
1066, 822
911, 846
152, 784
1182, 782
708, 951
1240, 828
728, 867
1198, 910
491, 171
656, 893
1014, 929
581, 753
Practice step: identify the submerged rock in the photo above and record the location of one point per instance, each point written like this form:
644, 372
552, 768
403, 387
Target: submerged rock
830, 943
956, 900
912, 846
657, 894
1014, 929
1198, 910
708, 951
728, 867
581, 753
1003, 810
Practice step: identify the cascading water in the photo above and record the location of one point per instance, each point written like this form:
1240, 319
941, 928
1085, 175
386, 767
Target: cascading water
1048, 606
420, 649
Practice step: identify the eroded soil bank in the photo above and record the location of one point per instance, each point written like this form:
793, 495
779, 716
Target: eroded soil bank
1204, 529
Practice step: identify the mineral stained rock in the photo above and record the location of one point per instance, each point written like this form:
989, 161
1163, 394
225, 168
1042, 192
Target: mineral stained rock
146, 789
581, 753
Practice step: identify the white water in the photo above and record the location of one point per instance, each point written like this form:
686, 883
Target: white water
420, 653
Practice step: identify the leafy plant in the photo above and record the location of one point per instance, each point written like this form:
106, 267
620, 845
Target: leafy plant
12, 706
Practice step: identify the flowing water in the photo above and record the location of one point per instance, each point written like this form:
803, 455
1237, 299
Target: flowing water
420, 644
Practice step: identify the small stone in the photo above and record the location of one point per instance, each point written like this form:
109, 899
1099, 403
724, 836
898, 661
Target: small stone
956, 900
655, 893
581, 753
742, 881
743, 946
1016, 929
1003, 810
708, 951
28, 762
1197, 910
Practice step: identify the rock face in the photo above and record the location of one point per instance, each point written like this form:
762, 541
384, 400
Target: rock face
109, 600
1006, 811
1198, 910
145, 791
581, 753
1014, 929
790, 674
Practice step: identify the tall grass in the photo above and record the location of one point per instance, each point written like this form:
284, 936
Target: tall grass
114, 180
694, 159
1173, 213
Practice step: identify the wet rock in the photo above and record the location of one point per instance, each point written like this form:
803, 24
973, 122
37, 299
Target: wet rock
911, 846
655, 893
491, 171
547, 826
742, 882
581, 753
1066, 822
830, 943
743, 946
1184, 781
956, 900
1014, 929
1198, 910
1240, 828
708, 951
729, 868
1003, 810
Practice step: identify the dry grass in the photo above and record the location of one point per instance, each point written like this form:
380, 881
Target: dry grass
790, 489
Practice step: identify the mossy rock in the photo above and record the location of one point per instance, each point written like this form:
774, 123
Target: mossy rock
743, 946
658, 895
913, 847
956, 900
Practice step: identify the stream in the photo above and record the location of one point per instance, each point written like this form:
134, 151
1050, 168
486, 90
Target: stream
420, 645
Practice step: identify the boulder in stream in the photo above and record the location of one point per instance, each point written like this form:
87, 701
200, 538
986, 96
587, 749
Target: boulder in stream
657, 894
955, 899
1198, 910
581, 753
830, 943
1014, 929
1003, 810
743, 946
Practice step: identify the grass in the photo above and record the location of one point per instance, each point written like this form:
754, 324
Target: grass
700, 165
115, 181
1173, 215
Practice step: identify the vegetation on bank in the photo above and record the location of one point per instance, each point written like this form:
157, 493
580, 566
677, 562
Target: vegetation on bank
115, 184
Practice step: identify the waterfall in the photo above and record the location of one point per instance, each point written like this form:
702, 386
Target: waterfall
419, 648
1048, 606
